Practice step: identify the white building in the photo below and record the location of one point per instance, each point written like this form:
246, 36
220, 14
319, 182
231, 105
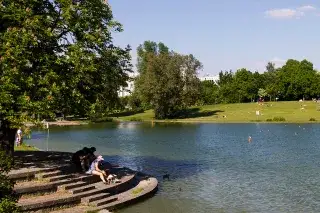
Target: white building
213, 79
126, 91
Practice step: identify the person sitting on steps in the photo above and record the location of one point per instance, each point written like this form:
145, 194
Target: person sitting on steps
94, 169
77, 159
88, 158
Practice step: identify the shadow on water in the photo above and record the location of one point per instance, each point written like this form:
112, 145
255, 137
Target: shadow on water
176, 169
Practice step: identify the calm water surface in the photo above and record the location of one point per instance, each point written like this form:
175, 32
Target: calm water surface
212, 167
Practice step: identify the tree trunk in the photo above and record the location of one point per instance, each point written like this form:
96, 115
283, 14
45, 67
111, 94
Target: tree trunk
7, 137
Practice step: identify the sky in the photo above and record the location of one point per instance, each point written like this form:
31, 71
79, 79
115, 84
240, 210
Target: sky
224, 34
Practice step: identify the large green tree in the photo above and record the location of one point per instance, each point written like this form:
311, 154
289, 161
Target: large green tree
167, 80
298, 80
57, 55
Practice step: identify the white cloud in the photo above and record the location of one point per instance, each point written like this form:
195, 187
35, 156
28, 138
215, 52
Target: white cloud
307, 8
288, 13
285, 13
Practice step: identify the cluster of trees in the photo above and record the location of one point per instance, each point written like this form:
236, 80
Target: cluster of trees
168, 82
293, 81
55, 56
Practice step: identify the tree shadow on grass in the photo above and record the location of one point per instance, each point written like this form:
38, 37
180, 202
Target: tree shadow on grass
196, 113
126, 113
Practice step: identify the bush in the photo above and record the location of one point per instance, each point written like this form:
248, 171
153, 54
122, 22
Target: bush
312, 119
269, 120
7, 196
279, 118
257, 121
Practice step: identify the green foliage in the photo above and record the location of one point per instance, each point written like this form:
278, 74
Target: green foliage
312, 119
167, 81
135, 103
270, 67
262, 92
7, 198
293, 81
58, 56
278, 119
209, 92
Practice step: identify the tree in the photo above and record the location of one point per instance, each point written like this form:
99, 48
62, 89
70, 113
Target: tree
296, 80
226, 87
209, 92
57, 55
270, 67
262, 93
167, 81
191, 88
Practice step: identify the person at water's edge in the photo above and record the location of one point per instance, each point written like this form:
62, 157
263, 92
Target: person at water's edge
83, 158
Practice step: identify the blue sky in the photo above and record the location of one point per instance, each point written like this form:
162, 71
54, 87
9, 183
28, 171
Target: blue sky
224, 34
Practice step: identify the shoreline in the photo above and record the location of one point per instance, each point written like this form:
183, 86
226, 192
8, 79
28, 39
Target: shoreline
219, 122
26, 147
59, 123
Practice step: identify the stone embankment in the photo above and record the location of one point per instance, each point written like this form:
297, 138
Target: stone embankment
47, 182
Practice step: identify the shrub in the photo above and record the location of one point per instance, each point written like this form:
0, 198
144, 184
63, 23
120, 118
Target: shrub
279, 118
257, 121
7, 196
269, 120
312, 119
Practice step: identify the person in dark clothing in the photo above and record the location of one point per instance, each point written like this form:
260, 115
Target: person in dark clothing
88, 158
77, 158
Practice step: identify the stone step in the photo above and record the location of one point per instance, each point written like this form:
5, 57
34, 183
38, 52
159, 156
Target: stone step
72, 185
56, 200
51, 186
87, 200
131, 196
60, 177
27, 173
103, 201
82, 189
48, 174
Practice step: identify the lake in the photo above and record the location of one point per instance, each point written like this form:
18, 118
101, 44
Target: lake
212, 167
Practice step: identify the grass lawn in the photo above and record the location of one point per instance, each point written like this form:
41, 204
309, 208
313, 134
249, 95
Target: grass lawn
25, 147
291, 111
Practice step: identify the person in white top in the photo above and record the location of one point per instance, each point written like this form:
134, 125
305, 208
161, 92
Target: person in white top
18, 137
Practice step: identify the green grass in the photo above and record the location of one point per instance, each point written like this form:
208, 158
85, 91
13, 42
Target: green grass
25, 147
288, 112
